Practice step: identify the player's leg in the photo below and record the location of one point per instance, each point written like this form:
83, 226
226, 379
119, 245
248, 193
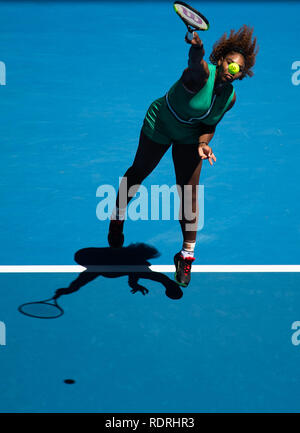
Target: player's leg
188, 166
148, 155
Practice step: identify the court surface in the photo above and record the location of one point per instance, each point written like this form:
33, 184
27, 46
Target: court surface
75, 96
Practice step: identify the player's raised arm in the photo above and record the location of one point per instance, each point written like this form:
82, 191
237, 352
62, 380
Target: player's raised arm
195, 76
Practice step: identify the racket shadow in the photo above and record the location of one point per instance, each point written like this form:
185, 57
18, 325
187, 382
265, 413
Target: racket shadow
134, 255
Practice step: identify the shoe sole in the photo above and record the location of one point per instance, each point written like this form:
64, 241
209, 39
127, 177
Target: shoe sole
180, 284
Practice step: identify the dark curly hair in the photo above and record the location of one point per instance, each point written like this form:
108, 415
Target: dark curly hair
240, 42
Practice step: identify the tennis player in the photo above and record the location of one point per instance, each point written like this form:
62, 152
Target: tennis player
186, 118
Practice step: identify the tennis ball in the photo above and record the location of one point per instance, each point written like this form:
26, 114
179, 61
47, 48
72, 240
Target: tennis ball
233, 68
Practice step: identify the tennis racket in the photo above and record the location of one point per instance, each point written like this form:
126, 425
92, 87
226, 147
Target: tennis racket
47, 309
192, 18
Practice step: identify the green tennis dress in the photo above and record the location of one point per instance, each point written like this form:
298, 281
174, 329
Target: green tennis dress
180, 116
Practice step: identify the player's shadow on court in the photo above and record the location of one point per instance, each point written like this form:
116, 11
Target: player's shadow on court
135, 255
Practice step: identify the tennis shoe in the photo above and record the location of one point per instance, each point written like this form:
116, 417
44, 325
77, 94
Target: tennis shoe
183, 269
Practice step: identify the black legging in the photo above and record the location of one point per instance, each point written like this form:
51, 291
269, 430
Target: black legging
187, 164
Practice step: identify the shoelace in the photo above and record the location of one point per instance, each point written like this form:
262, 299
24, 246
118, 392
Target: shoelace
187, 264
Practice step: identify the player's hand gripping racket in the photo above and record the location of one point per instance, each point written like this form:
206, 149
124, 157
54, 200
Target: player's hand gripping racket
191, 18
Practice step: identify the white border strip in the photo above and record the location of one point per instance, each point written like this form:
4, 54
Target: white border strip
154, 268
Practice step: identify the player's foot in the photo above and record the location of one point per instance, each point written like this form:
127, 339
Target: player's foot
183, 269
115, 234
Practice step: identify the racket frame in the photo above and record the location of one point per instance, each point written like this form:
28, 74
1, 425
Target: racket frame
55, 304
190, 28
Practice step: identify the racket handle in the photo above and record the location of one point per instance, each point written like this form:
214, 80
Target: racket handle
190, 34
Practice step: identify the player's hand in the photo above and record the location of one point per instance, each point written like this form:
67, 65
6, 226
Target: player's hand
195, 41
205, 152
140, 288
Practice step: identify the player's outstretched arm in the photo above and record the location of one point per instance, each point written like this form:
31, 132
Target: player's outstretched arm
195, 76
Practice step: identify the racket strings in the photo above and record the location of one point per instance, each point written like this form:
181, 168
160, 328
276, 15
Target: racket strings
41, 310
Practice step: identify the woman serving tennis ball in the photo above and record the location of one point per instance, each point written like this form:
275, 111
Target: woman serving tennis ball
186, 118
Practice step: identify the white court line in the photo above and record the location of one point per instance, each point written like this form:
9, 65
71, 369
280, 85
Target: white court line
155, 268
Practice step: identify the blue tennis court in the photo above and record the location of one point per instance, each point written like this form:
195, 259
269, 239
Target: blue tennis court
73, 100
